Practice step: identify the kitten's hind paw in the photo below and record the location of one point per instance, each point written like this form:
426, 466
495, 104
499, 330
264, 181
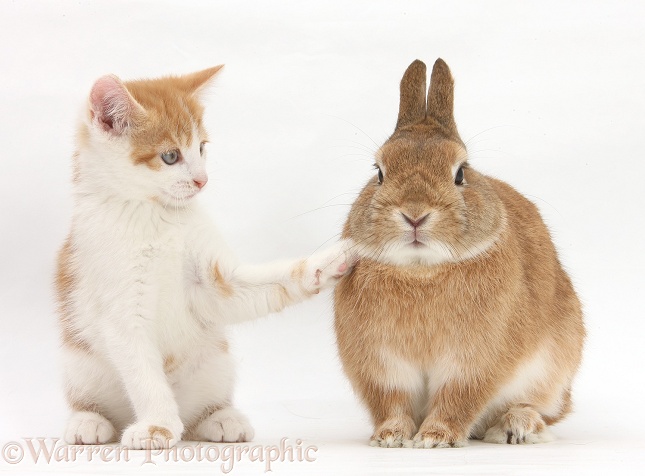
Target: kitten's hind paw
89, 428
225, 425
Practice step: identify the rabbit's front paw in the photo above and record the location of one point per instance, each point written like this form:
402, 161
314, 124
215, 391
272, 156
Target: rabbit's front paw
393, 433
436, 437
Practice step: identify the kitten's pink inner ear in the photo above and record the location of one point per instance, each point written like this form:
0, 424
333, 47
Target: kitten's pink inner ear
112, 106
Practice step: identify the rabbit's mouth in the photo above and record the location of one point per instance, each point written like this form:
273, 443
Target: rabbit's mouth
417, 244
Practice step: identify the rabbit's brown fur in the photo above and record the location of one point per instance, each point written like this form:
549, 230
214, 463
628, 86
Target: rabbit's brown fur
459, 320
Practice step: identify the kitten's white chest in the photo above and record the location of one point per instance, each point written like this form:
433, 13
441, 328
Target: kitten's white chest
139, 265
178, 280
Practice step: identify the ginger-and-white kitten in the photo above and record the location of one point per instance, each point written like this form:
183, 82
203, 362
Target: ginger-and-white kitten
146, 284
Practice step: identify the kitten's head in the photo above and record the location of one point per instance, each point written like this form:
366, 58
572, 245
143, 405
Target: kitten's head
144, 139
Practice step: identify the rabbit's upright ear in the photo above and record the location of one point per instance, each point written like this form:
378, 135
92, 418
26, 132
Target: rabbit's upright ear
412, 107
441, 96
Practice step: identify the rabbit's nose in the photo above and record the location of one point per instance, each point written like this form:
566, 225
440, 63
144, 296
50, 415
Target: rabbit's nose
415, 223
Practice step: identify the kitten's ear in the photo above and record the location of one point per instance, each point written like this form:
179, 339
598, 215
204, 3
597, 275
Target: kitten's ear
194, 83
111, 105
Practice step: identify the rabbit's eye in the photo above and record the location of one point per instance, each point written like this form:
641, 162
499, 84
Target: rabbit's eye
379, 175
201, 147
459, 178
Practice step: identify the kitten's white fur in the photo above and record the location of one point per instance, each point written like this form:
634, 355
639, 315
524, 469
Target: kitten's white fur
154, 286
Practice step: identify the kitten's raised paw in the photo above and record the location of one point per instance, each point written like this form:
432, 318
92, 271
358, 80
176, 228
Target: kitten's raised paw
518, 426
150, 435
226, 425
435, 438
89, 428
324, 269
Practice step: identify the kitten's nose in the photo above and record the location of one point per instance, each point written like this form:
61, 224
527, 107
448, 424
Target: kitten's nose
200, 182
415, 222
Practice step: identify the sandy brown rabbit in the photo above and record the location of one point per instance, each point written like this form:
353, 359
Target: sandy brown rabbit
459, 321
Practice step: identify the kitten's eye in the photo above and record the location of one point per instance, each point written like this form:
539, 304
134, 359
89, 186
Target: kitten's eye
379, 174
201, 147
170, 157
459, 178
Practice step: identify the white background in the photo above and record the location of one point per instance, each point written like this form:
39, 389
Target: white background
550, 96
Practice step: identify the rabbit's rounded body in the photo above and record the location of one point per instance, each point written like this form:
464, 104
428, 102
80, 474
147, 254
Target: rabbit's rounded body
474, 330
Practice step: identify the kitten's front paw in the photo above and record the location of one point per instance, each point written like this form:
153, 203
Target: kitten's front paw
227, 425
324, 269
151, 435
89, 428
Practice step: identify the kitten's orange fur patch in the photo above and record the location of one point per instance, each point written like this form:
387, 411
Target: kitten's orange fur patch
170, 364
223, 345
172, 113
298, 274
225, 288
159, 430
284, 295
71, 337
65, 282
299, 271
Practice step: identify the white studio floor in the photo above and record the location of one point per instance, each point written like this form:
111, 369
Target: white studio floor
550, 97
333, 436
